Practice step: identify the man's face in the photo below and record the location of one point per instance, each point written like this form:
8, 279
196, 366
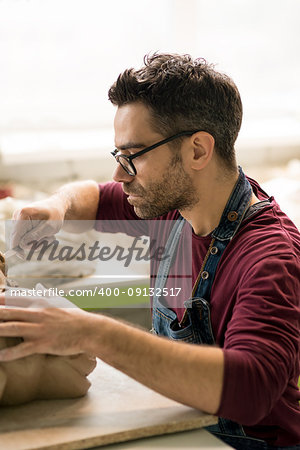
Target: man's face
161, 183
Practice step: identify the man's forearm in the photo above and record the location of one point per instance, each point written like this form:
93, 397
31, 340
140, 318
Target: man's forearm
188, 373
80, 202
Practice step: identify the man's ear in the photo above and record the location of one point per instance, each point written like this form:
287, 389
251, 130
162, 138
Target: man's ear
203, 148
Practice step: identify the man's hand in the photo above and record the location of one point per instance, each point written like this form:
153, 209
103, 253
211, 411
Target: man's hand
53, 331
41, 220
37, 221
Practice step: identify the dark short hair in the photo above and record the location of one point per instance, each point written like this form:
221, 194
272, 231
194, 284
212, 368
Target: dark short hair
184, 94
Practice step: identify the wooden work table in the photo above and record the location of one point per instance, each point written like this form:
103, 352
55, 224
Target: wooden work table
191, 440
116, 409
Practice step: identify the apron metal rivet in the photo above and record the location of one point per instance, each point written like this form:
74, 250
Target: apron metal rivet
214, 250
232, 216
204, 275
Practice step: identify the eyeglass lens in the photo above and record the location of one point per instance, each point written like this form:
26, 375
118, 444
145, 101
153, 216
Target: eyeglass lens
126, 164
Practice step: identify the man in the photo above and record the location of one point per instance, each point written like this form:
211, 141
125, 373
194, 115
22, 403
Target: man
176, 123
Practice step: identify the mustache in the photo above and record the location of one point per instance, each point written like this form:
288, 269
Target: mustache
128, 191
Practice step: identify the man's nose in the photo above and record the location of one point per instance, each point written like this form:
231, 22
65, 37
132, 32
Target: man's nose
121, 176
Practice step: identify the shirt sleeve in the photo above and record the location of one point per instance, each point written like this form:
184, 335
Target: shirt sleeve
261, 346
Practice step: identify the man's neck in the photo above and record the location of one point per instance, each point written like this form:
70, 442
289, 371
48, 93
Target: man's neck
213, 196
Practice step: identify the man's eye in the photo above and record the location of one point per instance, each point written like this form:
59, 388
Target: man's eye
128, 152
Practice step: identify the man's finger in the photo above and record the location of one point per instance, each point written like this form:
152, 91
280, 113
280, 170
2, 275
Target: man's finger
20, 314
16, 329
18, 351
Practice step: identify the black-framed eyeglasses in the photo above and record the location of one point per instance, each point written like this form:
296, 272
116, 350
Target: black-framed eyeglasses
126, 161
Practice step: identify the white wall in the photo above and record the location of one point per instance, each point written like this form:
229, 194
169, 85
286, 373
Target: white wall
59, 57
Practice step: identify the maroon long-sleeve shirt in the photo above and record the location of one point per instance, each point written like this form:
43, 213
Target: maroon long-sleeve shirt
255, 315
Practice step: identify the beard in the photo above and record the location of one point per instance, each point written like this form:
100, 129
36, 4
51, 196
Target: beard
173, 191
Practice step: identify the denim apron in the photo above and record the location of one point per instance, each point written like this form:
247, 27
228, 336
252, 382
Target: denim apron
195, 327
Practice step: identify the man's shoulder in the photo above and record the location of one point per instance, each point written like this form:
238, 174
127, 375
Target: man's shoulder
268, 233
270, 225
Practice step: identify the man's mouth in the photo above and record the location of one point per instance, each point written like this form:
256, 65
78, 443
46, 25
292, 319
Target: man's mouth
133, 198
131, 194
